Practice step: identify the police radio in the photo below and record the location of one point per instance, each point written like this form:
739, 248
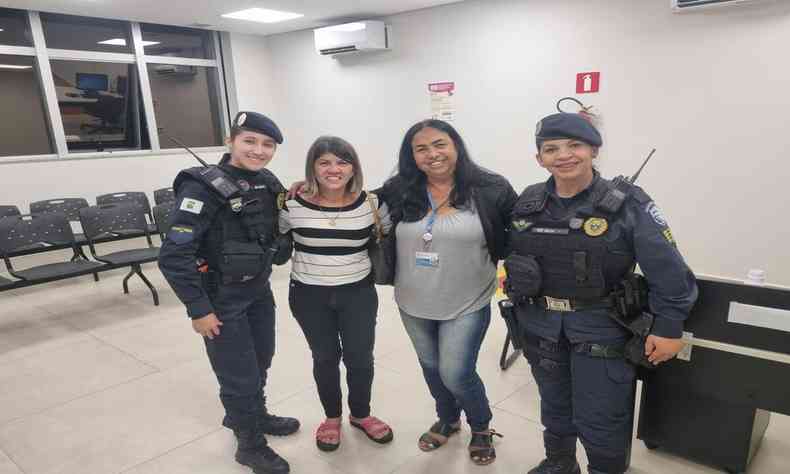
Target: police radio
212, 175
621, 186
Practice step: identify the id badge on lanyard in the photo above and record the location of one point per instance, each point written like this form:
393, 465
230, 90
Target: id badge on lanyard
426, 259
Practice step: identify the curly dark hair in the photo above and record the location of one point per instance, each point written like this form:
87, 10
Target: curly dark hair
412, 182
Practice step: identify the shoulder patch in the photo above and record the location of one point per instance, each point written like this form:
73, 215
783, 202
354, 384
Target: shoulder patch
191, 205
668, 235
280, 201
656, 214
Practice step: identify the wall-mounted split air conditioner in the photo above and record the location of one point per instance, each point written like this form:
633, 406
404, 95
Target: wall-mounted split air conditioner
693, 5
358, 36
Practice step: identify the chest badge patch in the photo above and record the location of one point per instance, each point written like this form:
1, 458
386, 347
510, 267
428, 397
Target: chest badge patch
595, 226
521, 224
236, 204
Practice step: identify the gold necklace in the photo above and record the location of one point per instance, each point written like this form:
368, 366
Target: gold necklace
332, 220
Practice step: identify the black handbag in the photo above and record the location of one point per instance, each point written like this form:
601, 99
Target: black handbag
381, 250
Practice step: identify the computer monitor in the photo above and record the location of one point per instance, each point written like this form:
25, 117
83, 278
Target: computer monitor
92, 82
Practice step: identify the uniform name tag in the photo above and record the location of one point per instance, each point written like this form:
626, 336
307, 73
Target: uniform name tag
191, 205
550, 230
427, 259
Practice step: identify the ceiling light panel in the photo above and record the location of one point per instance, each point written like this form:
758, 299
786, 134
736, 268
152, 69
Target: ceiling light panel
262, 15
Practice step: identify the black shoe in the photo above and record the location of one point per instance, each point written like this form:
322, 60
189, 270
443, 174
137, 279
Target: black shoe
557, 465
277, 425
253, 451
262, 460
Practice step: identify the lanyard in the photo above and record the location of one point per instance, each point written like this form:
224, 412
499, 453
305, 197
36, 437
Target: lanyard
427, 237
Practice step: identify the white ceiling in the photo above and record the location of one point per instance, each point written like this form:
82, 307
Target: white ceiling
190, 12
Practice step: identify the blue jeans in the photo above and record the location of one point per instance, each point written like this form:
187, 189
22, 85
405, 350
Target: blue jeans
448, 352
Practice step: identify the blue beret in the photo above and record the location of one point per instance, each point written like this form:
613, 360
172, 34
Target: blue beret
567, 125
260, 123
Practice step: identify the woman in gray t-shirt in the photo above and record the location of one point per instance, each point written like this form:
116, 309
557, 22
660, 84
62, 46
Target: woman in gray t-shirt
450, 233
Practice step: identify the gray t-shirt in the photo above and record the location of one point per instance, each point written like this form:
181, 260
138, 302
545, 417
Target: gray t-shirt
463, 280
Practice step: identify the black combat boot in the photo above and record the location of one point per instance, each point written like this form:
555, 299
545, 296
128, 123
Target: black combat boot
253, 451
277, 425
560, 456
557, 465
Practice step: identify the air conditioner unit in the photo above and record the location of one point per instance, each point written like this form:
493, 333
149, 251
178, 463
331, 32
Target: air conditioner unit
691, 5
175, 70
351, 37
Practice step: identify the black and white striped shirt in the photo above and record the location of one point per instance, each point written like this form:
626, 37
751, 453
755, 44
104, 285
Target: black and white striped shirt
331, 243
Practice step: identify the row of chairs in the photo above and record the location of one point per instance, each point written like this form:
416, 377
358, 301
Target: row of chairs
48, 227
71, 206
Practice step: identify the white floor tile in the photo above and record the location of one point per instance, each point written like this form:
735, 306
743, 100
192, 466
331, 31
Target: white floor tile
162, 343
7, 466
50, 378
118, 428
214, 454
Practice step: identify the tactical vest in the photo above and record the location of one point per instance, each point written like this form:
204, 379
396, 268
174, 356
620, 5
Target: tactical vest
576, 258
238, 244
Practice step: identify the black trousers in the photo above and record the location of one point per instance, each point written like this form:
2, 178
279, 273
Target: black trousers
339, 321
584, 397
242, 353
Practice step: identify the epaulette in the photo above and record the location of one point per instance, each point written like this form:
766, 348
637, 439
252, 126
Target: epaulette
272, 182
214, 178
613, 194
532, 200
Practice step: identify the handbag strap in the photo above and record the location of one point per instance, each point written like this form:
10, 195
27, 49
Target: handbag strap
376, 216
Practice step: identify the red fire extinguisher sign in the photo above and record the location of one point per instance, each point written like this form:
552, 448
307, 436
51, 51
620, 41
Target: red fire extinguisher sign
588, 82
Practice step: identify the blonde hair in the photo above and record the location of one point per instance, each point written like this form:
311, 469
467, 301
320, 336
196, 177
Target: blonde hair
341, 149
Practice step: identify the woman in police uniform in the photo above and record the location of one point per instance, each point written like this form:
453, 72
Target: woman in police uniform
226, 221
574, 238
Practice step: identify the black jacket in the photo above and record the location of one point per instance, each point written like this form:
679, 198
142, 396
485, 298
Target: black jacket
494, 198
196, 232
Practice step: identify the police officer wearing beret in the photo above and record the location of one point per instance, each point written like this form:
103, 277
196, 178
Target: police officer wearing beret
217, 257
575, 240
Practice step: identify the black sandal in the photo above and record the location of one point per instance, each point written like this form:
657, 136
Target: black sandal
481, 447
428, 441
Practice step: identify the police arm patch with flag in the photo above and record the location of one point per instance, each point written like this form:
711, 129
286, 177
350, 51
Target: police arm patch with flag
656, 214
191, 205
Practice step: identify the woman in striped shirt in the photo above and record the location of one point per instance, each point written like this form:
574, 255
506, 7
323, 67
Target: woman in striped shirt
331, 294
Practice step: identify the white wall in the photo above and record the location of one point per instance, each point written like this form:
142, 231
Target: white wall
708, 90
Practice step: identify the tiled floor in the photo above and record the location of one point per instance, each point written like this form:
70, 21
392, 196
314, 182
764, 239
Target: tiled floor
94, 381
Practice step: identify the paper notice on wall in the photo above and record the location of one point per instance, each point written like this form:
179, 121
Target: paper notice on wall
442, 107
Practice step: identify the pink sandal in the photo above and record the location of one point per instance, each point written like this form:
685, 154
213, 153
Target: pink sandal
375, 429
327, 436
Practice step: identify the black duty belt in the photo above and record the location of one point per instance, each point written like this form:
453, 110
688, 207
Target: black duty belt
572, 304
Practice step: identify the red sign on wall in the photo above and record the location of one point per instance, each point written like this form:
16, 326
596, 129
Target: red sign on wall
587, 82
442, 87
